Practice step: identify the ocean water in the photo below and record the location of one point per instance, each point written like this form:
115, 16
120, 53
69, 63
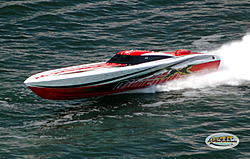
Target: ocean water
168, 121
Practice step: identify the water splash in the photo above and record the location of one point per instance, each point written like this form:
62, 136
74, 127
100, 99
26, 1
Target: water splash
233, 70
235, 56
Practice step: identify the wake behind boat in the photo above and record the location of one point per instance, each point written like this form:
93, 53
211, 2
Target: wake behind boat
127, 70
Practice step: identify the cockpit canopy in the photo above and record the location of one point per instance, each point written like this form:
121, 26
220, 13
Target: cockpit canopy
133, 60
133, 57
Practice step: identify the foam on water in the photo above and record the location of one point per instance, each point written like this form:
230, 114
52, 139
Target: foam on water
233, 69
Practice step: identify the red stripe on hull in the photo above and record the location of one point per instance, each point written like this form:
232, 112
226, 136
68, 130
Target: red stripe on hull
71, 93
94, 91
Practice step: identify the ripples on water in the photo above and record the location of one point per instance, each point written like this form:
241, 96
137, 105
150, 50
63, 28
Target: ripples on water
171, 120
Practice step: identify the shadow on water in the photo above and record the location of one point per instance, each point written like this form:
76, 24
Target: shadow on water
109, 105
92, 110
122, 106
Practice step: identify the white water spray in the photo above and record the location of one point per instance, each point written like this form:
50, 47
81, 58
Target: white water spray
234, 69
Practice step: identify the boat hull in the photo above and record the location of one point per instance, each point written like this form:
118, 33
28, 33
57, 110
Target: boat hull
103, 87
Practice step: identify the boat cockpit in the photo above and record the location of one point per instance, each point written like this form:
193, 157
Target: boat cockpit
133, 60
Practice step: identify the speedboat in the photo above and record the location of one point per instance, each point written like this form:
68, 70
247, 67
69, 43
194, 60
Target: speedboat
127, 70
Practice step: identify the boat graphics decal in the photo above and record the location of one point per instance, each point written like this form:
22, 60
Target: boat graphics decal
78, 69
139, 74
165, 74
98, 82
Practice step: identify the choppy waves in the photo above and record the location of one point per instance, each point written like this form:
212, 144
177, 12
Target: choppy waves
171, 120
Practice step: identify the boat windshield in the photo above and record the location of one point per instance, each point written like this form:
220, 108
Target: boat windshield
133, 60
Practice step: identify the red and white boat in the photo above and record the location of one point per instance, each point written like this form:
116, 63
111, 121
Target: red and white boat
127, 70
